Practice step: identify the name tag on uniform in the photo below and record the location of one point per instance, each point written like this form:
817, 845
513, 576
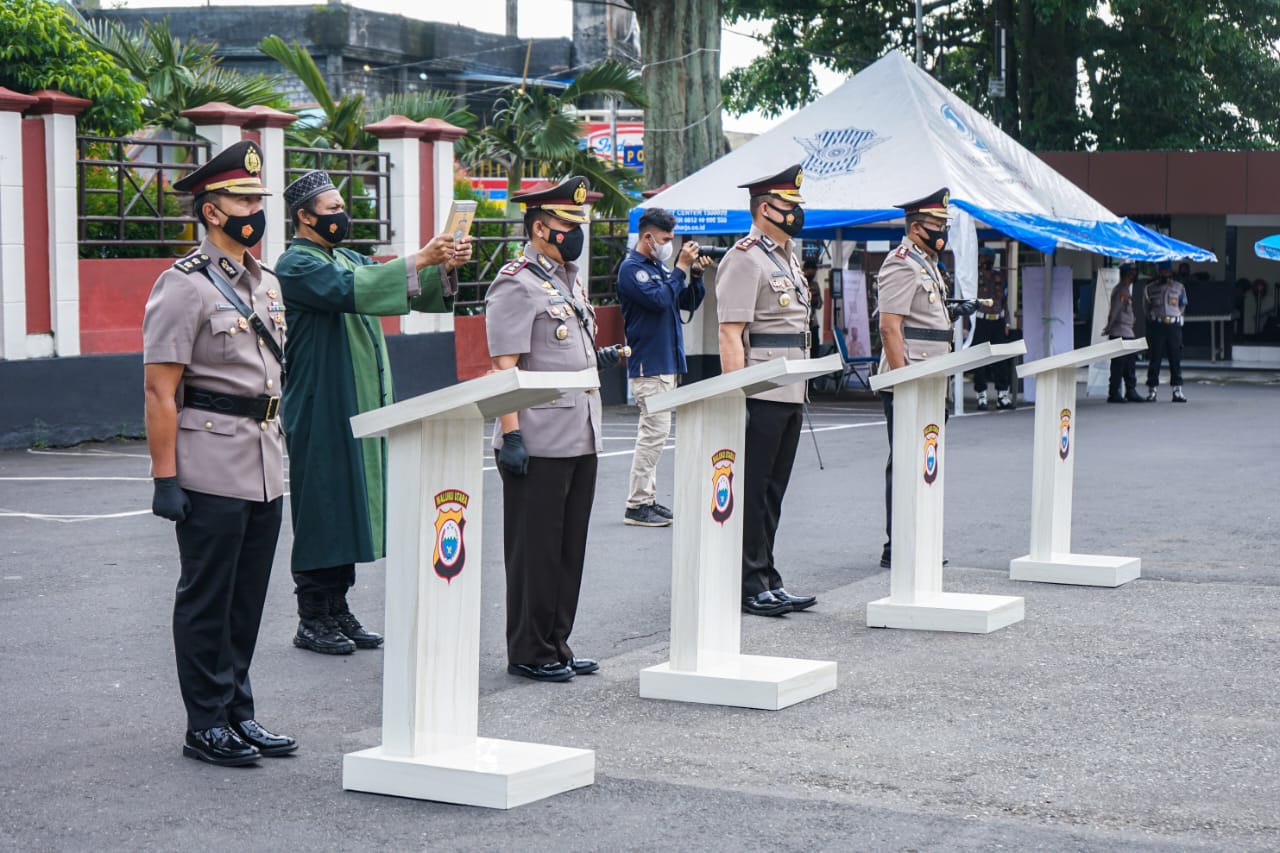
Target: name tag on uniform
780, 283
222, 306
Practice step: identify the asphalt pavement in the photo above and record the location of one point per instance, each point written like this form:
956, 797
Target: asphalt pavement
1140, 718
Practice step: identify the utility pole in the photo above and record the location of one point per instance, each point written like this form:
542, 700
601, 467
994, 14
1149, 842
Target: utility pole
920, 33
512, 18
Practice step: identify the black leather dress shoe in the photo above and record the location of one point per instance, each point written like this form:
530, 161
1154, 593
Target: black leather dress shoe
582, 666
797, 602
886, 564
765, 604
219, 745
555, 671
266, 742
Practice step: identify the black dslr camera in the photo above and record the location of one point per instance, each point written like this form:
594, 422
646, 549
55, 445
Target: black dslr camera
713, 252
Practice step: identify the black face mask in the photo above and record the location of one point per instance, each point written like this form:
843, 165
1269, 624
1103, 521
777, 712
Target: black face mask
568, 243
792, 220
333, 227
245, 230
935, 238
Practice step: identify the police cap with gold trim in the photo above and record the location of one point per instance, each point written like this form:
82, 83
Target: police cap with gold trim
237, 170
934, 204
785, 185
566, 200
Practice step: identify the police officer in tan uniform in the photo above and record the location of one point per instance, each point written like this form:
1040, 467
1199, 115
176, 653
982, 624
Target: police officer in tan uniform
538, 317
915, 323
763, 307
213, 334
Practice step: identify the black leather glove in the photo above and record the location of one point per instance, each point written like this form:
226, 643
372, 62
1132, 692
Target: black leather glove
963, 308
170, 501
607, 357
513, 457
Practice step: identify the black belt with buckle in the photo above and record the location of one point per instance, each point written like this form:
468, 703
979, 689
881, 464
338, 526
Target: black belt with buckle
771, 339
913, 334
262, 408
1171, 321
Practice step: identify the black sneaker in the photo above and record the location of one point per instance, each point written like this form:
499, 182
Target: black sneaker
663, 511
1133, 396
645, 516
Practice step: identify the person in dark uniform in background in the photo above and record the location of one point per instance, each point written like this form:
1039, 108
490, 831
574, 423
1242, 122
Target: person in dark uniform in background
1120, 319
538, 318
810, 270
334, 299
212, 339
652, 297
991, 324
1166, 299
915, 324
763, 308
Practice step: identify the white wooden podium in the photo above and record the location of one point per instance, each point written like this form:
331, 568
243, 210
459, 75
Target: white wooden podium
1052, 475
706, 567
916, 599
430, 683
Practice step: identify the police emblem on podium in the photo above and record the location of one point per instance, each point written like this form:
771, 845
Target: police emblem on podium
722, 485
931, 453
450, 554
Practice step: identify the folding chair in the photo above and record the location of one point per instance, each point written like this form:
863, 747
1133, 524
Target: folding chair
853, 365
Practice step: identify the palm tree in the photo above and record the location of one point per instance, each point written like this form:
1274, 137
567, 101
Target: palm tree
533, 125
179, 75
344, 118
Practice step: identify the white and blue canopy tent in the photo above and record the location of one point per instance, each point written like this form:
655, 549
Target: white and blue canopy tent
1268, 247
890, 134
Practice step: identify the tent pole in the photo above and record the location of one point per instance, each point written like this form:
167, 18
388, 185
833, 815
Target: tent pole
920, 33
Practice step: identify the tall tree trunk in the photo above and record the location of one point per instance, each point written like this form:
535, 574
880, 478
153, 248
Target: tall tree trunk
680, 49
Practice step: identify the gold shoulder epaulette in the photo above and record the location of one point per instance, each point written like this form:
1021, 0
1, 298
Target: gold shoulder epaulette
745, 243
515, 266
192, 263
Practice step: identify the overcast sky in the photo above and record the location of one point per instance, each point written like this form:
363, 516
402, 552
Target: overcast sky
538, 19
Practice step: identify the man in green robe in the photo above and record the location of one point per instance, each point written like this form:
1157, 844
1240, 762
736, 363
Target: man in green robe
338, 367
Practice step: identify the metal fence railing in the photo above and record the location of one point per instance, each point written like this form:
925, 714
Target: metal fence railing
499, 240
364, 180
127, 206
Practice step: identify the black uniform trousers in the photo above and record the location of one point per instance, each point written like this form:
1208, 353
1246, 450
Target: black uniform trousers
334, 580
773, 433
991, 331
1164, 339
1124, 369
226, 547
545, 515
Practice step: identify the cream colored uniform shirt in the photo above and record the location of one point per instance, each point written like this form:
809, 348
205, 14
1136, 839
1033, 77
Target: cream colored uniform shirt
760, 283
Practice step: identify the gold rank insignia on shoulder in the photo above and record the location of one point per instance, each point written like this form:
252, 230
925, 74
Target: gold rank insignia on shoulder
902, 252
228, 267
745, 243
192, 263
515, 266
562, 332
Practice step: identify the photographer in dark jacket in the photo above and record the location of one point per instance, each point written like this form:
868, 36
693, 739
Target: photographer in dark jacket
652, 297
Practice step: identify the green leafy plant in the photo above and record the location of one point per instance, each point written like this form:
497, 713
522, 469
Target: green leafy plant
532, 124
42, 46
179, 75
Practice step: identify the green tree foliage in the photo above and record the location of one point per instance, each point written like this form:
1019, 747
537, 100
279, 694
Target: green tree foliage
533, 125
178, 75
43, 47
1156, 73
1201, 75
